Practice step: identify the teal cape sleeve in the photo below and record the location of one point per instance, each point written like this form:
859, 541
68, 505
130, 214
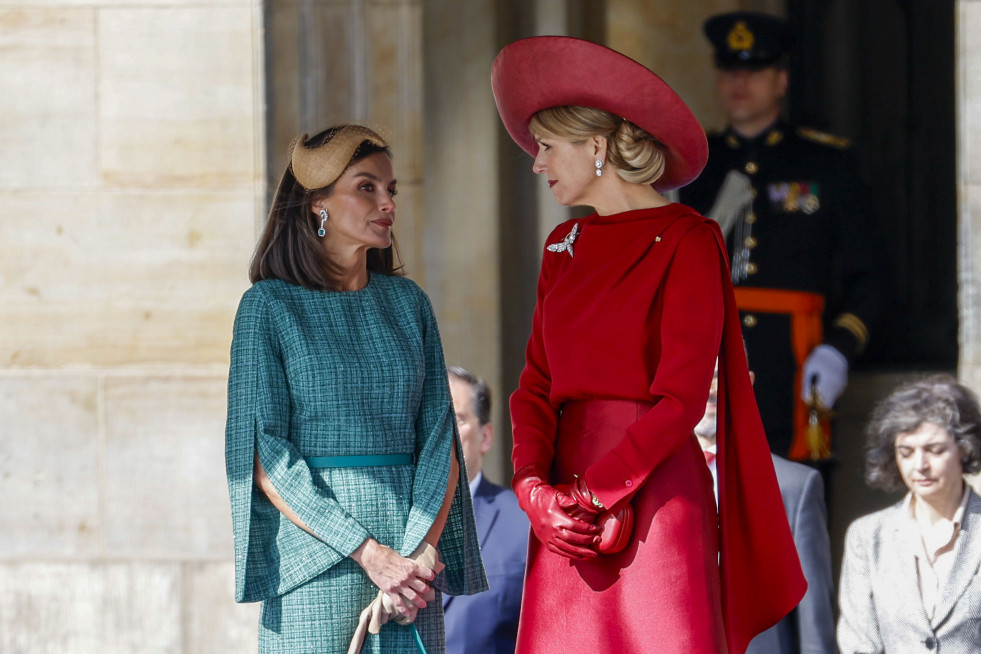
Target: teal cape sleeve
458, 546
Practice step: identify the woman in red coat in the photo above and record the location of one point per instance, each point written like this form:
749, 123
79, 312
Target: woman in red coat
634, 307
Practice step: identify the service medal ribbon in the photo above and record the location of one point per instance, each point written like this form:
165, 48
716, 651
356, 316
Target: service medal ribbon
791, 197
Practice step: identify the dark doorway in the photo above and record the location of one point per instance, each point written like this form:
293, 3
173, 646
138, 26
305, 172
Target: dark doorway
881, 72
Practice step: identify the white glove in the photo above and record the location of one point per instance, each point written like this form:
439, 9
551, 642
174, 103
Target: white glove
831, 369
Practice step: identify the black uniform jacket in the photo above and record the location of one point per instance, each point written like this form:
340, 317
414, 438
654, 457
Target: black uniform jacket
809, 229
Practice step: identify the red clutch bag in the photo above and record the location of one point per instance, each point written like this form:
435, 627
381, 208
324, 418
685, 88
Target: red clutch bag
616, 530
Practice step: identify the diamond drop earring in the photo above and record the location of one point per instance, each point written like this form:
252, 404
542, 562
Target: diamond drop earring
323, 219
599, 167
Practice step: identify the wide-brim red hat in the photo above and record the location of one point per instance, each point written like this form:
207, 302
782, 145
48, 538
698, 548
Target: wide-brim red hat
553, 71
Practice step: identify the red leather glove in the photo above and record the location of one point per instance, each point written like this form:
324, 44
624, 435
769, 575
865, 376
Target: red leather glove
547, 511
585, 506
615, 529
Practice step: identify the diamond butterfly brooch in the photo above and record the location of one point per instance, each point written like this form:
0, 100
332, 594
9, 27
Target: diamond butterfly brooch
565, 245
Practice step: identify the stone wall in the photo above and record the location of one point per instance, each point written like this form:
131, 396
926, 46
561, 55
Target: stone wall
130, 186
968, 116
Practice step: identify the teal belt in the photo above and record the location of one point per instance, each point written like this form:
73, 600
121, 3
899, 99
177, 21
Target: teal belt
360, 460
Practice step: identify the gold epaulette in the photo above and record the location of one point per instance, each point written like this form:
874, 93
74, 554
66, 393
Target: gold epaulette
854, 324
823, 137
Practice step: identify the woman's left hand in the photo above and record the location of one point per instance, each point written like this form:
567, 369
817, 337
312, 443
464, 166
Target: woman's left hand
615, 529
585, 507
425, 555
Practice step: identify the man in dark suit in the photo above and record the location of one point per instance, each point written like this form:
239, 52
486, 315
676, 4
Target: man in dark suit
486, 623
809, 628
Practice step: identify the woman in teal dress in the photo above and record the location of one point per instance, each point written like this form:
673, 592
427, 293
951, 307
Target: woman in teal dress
344, 467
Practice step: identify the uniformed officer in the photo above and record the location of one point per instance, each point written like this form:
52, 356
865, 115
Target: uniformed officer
799, 233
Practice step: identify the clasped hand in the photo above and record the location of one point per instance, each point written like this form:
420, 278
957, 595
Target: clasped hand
404, 580
403, 583
559, 522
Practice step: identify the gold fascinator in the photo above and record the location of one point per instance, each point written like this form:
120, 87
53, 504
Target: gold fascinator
319, 167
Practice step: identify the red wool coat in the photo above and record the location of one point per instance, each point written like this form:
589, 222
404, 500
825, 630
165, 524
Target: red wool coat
640, 312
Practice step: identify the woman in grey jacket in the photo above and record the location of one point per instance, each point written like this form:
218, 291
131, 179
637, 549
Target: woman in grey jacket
909, 577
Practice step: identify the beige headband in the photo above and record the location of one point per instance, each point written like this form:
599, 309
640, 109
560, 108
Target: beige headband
319, 167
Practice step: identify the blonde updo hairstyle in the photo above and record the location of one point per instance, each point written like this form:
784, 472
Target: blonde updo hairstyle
636, 156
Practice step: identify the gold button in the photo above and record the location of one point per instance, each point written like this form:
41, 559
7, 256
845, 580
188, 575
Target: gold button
749, 320
751, 268
750, 242
751, 167
750, 218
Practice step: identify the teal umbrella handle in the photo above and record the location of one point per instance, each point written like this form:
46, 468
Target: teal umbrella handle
415, 634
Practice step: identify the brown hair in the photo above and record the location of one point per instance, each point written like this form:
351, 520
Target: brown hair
636, 156
289, 248
939, 400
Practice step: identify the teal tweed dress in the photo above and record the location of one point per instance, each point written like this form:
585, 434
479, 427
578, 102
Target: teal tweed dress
320, 373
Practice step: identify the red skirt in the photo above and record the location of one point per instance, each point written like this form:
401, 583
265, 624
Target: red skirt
660, 594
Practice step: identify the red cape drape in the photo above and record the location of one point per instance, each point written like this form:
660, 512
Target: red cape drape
762, 579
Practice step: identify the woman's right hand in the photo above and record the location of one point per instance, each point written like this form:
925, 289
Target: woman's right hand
548, 511
405, 581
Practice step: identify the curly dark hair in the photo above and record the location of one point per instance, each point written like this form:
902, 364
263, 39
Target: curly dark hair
939, 400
